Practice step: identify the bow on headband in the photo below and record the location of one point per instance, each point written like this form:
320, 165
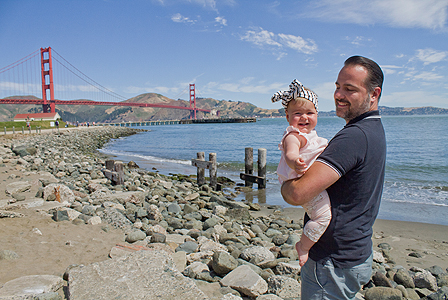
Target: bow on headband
296, 90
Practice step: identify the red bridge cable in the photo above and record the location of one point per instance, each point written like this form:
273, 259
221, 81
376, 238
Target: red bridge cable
20, 61
106, 89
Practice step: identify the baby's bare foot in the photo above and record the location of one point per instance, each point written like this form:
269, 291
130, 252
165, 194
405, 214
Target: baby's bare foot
303, 254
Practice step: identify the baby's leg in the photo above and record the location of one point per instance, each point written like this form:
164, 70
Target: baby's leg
303, 247
319, 211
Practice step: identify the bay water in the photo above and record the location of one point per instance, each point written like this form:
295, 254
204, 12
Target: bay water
415, 187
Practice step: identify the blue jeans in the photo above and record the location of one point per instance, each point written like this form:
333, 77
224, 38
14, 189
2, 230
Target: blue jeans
322, 281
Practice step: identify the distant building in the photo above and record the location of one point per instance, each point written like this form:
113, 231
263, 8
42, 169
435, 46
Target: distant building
37, 117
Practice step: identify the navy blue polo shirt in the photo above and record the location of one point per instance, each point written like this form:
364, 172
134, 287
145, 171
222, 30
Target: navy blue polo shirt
358, 153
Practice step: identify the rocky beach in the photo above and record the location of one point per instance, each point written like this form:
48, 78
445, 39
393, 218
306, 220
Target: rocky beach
76, 225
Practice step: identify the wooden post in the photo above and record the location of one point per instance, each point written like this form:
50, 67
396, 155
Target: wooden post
110, 164
120, 173
262, 167
114, 171
23, 130
13, 130
248, 177
248, 163
211, 165
201, 171
5, 129
213, 170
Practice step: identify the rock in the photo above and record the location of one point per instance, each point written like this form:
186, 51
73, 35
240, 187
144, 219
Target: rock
136, 235
174, 208
17, 187
188, 247
402, 277
426, 280
291, 269
246, 281
379, 279
28, 286
10, 214
59, 193
95, 221
194, 269
61, 215
223, 263
268, 297
140, 275
283, 286
8, 255
257, 252
158, 238
115, 218
442, 293
383, 293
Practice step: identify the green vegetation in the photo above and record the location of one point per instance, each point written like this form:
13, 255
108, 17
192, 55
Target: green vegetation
18, 125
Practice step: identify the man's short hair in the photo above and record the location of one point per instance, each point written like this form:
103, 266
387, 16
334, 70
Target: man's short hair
375, 75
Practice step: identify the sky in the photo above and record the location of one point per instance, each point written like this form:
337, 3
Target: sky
238, 50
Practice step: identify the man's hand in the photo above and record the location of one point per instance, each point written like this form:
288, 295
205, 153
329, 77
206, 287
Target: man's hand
316, 179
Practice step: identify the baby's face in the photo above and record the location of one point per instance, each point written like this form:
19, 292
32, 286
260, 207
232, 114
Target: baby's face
302, 115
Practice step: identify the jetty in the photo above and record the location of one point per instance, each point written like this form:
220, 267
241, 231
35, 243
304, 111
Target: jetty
174, 122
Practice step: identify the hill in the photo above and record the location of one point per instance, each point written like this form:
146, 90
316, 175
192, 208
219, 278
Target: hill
227, 109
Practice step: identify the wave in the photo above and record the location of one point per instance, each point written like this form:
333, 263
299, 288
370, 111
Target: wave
146, 157
415, 202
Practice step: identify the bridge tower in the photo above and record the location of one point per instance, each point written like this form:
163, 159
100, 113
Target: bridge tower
192, 99
47, 80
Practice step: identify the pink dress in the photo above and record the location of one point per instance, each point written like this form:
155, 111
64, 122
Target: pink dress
318, 209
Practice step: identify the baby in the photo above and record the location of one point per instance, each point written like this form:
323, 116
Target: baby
300, 146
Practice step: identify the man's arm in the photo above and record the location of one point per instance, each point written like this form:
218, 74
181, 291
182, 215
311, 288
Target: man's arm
301, 190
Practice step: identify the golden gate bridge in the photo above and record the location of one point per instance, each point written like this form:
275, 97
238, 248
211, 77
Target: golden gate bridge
25, 79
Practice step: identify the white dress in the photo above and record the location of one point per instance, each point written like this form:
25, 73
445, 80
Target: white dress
318, 209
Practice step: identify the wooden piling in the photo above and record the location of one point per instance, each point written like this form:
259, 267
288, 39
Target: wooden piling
248, 164
201, 171
262, 167
248, 176
211, 165
114, 171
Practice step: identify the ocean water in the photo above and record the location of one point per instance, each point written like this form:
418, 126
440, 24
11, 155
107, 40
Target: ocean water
415, 187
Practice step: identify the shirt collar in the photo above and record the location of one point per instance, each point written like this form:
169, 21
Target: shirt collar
374, 114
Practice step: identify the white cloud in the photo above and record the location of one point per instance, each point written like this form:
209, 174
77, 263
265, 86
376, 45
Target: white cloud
358, 40
429, 56
427, 76
261, 37
430, 14
178, 18
221, 21
390, 69
298, 43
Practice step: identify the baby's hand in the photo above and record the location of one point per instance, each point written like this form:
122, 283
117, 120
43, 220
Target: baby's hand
300, 167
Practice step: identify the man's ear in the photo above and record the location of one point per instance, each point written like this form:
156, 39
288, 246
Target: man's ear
376, 93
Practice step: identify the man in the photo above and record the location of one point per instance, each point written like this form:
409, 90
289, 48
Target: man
351, 169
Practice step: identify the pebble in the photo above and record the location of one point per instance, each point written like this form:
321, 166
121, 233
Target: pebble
213, 238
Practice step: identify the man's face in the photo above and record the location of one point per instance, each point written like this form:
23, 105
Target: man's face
351, 95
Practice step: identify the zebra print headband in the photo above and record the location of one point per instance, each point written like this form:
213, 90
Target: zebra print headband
296, 90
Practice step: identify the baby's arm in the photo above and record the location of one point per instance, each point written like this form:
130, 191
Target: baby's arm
292, 144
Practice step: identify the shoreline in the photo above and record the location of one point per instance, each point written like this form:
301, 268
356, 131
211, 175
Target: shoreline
409, 211
57, 244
